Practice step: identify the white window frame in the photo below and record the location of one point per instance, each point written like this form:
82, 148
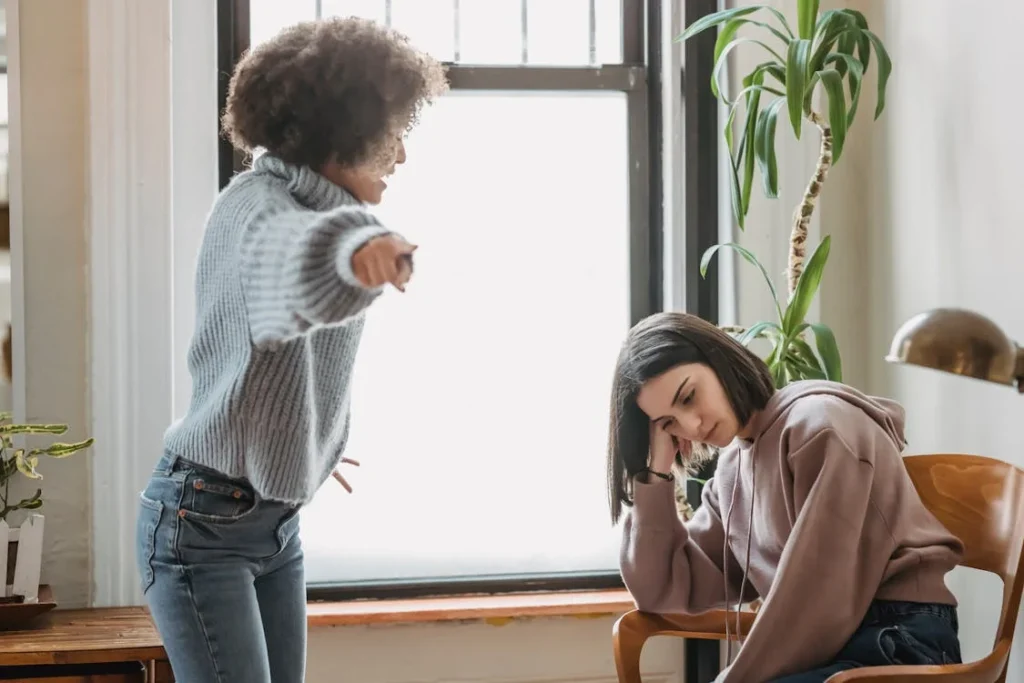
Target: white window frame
152, 145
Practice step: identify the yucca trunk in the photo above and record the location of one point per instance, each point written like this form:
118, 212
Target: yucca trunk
802, 215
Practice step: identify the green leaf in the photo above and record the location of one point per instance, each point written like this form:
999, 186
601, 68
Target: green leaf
765, 328
750, 258
735, 194
764, 147
807, 15
33, 503
828, 350
725, 34
806, 288
32, 429
27, 464
712, 20
796, 80
846, 44
8, 469
62, 450
831, 25
753, 22
753, 103
6, 416
862, 41
833, 84
853, 68
884, 70
723, 61
804, 370
803, 352
782, 21
809, 92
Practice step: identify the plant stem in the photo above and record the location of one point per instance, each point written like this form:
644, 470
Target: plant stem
802, 215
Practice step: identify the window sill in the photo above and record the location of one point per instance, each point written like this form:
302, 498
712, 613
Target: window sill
493, 609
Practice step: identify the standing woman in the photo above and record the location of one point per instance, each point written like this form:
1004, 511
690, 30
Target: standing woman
290, 260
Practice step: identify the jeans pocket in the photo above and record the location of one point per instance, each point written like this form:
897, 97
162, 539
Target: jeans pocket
211, 498
287, 530
901, 647
150, 512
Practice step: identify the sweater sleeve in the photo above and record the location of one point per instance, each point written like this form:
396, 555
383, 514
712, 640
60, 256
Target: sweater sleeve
297, 270
830, 568
670, 567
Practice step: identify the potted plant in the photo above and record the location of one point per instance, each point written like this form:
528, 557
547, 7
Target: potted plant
828, 52
16, 461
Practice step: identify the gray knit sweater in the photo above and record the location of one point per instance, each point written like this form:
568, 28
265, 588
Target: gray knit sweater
278, 322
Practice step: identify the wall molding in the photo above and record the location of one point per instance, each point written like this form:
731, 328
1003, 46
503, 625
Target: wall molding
131, 266
15, 176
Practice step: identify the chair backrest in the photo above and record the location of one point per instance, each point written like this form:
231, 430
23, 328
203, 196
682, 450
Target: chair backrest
981, 501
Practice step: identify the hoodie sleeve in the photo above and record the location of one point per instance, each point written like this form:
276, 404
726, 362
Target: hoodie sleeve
297, 270
670, 567
830, 568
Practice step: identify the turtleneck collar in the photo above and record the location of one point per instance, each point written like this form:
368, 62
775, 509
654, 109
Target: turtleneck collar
311, 189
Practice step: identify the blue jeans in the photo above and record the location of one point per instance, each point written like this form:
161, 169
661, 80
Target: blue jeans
222, 573
908, 633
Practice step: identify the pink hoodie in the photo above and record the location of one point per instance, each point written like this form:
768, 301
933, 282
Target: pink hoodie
821, 519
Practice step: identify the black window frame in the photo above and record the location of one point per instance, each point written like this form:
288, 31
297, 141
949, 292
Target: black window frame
639, 76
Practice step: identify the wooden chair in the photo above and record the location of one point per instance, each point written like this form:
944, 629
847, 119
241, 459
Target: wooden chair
980, 500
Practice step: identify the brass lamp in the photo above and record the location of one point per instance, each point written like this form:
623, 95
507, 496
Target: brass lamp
960, 342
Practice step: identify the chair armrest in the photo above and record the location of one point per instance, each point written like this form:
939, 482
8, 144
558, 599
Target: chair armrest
987, 670
708, 625
633, 629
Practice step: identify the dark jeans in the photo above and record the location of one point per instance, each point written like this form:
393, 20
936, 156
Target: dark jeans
894, 633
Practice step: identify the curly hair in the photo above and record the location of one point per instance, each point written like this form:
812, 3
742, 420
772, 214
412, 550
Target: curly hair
342, 90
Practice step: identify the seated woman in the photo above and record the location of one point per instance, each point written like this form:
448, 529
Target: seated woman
811, 509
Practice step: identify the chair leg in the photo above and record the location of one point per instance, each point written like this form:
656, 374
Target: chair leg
628, 643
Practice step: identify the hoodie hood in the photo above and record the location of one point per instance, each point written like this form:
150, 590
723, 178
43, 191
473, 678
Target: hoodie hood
888, 414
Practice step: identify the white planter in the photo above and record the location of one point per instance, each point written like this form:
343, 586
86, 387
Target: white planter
24, 581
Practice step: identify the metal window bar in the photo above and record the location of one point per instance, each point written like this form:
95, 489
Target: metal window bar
701, 131
592, 32
387, 13
524, 30
637, 76
318, 9
456, 32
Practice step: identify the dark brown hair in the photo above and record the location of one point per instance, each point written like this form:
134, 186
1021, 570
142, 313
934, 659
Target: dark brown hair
655, 345
335, 89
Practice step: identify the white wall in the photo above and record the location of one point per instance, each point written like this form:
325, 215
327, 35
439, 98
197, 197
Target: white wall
561, 650
51, 327
944, 227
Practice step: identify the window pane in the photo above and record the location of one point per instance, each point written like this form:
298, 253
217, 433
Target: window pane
267, 17
491, 31
430, 25
474, 31
480, 399
368, 9
560, 32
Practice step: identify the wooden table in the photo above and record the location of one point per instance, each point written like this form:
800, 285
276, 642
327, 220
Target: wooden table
80, 646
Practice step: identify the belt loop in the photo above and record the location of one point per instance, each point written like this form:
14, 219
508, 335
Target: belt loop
166, 465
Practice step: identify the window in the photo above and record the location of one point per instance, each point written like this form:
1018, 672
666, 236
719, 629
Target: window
480, 401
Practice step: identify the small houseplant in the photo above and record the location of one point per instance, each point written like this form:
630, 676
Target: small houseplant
16, 461
830, 52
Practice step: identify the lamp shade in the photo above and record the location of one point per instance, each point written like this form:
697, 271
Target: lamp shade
961, 342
